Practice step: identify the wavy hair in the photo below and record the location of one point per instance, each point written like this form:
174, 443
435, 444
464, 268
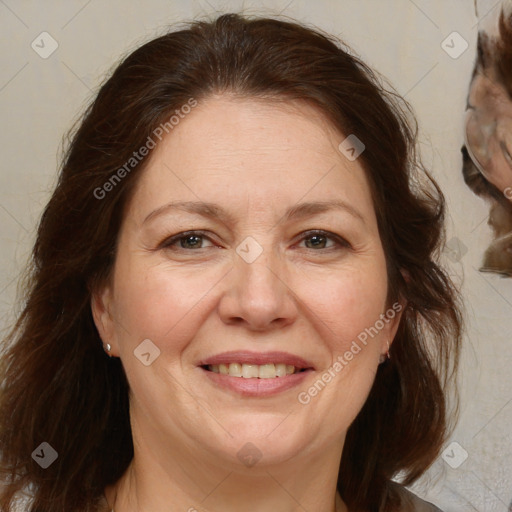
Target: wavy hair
57, 384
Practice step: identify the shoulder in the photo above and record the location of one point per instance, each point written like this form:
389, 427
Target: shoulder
410, 502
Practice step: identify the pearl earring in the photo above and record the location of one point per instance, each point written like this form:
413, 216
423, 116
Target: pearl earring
384, 357
108, 348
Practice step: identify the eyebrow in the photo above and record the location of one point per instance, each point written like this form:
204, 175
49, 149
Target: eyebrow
212, 210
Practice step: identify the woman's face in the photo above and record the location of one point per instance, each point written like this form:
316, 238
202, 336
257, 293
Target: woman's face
249, 283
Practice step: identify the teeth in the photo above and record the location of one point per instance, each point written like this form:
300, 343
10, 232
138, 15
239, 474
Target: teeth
235, 370
267, 371
249, 371
280, 370
254, 371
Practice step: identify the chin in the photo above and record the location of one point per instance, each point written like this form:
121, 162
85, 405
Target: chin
260, 444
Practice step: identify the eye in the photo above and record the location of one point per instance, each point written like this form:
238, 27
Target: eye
315, 239
318, 240
187, 240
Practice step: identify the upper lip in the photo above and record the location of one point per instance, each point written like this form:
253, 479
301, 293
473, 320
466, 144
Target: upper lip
259, 358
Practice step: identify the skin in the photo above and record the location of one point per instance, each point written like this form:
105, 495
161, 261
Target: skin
256, 159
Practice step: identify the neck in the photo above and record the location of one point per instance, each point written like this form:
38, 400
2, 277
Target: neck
193, 482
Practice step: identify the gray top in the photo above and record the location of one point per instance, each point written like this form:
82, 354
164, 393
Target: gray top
411, 502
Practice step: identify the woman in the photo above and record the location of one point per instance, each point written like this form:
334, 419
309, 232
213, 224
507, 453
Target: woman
234, 302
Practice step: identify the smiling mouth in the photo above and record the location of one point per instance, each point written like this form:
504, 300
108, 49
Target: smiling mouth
254, 371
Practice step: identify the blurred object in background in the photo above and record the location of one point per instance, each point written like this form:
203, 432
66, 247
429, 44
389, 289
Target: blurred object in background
487, 153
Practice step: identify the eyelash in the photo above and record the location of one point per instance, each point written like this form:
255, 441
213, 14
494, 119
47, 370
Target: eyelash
340, 241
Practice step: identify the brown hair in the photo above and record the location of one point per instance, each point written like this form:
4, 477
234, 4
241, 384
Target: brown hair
60, 387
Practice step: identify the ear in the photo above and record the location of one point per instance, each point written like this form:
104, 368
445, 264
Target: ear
394, 315
101, 306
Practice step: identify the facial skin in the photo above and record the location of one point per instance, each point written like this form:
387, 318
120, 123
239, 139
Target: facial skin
255, 159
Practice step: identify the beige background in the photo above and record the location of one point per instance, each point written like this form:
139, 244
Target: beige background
40, 98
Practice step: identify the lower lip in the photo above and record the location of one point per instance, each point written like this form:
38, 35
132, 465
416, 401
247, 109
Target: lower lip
257, 387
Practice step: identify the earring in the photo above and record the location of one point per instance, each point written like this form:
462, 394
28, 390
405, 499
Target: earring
108, 348
383, 357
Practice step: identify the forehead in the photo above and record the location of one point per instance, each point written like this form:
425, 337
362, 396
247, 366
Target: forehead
252, 151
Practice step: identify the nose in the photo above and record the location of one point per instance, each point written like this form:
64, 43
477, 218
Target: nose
258, 296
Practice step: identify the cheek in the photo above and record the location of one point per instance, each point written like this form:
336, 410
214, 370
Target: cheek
346, 302
349, 308
169, 305
160, 303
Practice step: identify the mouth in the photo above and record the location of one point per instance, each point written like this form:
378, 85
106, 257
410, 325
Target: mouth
253, 374
254, 371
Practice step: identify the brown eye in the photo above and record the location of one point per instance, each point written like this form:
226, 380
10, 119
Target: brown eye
319, 239
186, 240
190, 241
